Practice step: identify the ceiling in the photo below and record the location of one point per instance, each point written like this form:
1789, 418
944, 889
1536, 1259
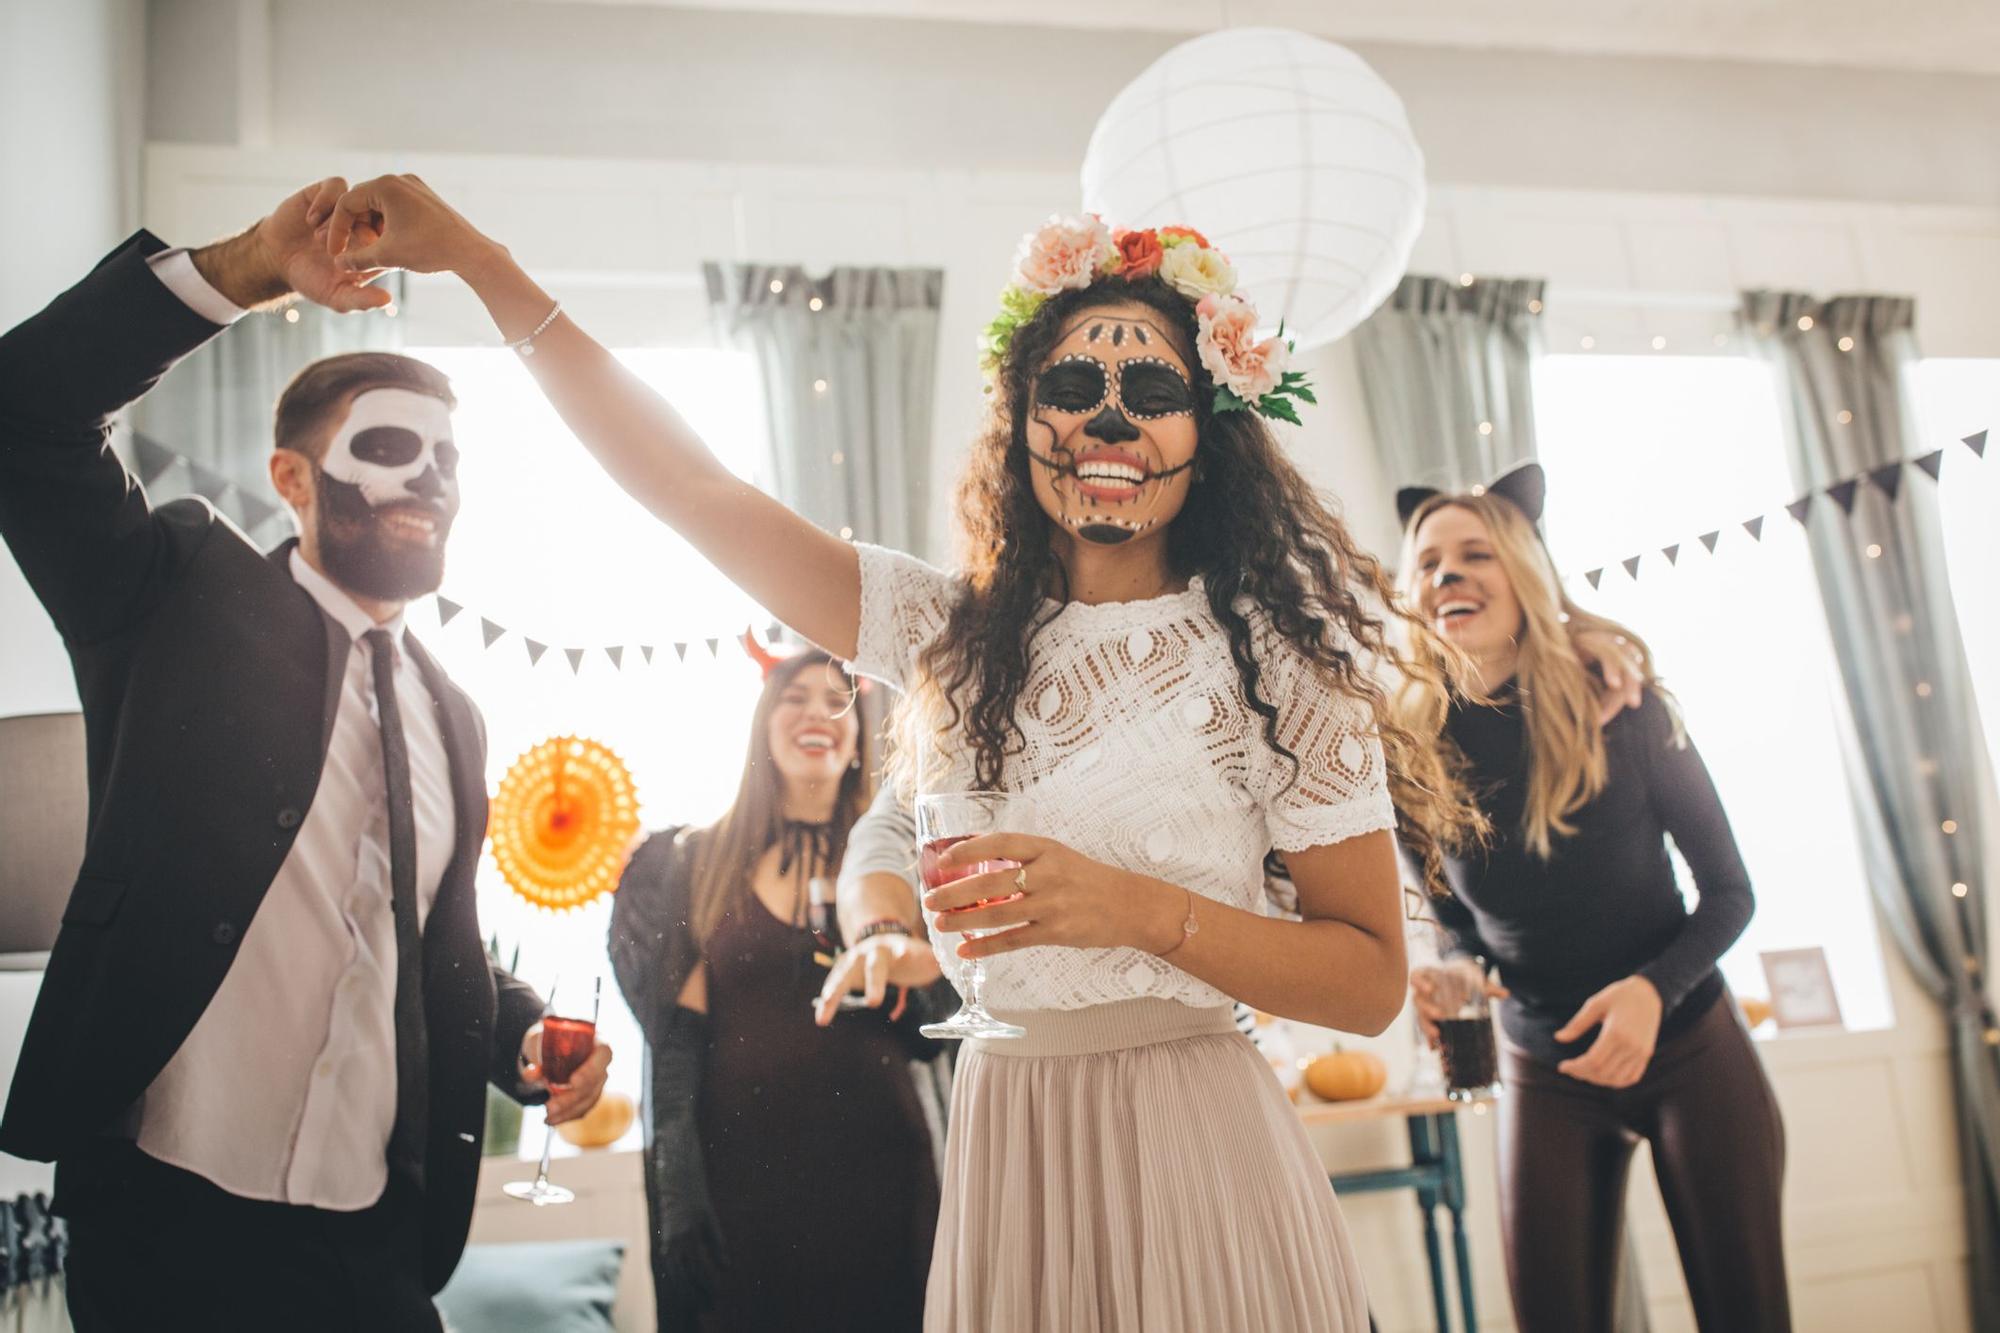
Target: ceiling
1954, 35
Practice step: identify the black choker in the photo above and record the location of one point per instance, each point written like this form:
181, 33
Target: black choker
809, 846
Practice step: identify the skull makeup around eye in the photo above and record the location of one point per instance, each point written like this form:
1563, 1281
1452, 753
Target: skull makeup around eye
396, 448
388, 493
1112, 432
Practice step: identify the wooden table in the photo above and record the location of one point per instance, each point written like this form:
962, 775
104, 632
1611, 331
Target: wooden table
1436, 1172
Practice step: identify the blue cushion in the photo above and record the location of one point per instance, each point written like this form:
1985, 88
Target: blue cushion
558, 1286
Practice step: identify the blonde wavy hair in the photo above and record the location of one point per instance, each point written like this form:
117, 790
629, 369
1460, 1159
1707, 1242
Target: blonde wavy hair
1557, 692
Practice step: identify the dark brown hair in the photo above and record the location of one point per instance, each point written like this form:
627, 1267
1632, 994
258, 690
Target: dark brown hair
1252, 527
310, 400
726, 852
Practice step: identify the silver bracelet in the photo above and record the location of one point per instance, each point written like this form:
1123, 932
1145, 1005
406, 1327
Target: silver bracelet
526, 346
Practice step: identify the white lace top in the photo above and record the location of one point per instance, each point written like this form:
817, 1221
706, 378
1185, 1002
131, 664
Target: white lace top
1141, 753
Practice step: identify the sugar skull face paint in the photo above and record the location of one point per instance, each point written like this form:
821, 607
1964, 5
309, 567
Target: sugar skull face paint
1112, 425
388, 492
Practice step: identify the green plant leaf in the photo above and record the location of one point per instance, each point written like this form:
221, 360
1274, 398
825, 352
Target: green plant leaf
1271, 405
1227, 401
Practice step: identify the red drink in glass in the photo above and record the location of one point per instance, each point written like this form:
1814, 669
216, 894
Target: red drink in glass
945, 819
566, 1044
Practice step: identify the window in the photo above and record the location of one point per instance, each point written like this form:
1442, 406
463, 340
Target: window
1646, 452
1955, 398
548, 546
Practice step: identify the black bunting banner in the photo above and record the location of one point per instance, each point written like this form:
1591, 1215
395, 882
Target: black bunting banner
1887, 479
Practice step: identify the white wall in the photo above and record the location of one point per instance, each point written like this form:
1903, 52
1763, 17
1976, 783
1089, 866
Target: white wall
70, 71
70, 127
650, 81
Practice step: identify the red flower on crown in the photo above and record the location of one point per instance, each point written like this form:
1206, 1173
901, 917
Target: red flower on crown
1140, 252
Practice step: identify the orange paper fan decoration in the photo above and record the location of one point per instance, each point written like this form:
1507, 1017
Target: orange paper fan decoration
563, 822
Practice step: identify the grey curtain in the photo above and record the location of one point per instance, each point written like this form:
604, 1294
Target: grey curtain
214, 409
847, 364
1916, 763
1440, 359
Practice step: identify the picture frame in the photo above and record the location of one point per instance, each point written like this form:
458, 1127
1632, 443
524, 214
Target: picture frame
1802, 990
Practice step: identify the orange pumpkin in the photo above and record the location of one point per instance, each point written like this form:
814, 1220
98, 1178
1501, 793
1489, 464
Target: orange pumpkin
1346, 1076
603, 1125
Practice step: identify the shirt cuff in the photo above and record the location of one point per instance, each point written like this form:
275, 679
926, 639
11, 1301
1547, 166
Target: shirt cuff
175, 268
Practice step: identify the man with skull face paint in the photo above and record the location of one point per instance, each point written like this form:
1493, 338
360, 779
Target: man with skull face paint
259, 1053
387, 492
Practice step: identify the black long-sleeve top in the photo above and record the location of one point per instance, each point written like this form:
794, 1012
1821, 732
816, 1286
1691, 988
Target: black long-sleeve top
1605, 904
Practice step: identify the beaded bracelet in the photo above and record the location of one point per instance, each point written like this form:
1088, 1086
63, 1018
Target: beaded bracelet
526, 346
887, 925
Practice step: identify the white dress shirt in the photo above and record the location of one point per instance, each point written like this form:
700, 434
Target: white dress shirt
286, 1088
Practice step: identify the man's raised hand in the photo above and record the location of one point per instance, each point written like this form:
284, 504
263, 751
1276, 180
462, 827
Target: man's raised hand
400, 222
285, 254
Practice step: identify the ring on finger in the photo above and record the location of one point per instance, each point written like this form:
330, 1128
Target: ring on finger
1021, 879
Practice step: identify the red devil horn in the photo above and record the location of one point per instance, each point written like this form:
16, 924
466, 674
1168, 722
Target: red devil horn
765, 659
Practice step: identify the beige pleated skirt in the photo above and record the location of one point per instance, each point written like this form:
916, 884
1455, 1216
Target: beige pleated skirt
1134, 1167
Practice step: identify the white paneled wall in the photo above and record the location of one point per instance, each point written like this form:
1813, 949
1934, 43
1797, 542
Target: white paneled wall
1872, 1196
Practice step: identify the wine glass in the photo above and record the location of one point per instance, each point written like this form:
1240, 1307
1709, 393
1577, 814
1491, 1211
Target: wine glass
566, 1044
945, 819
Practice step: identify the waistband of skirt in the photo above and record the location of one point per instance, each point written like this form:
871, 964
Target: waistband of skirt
1106, 1027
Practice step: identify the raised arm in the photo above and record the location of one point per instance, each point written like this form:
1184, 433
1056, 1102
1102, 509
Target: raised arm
808, 578
76, 521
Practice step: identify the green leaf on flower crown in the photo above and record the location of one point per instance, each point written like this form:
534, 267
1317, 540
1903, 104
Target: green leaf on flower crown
1271, 405
1302, 392
1226, 400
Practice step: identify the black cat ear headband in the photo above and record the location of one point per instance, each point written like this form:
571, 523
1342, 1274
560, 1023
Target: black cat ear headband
1527, 486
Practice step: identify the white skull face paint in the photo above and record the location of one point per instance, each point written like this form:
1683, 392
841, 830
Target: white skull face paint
388, 492
1113, 434
396, 446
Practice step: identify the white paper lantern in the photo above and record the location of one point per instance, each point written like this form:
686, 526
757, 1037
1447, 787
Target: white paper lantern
1289, 153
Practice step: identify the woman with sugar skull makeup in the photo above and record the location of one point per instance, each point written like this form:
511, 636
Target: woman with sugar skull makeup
1159, 633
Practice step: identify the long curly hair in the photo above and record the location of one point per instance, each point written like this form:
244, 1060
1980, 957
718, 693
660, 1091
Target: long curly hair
1252, 528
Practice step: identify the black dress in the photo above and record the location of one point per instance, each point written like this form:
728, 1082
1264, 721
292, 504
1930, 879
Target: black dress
813, 1143
819, 1160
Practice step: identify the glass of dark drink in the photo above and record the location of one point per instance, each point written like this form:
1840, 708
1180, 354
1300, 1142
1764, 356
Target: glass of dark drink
1467, 1049
945, 819
566, 1044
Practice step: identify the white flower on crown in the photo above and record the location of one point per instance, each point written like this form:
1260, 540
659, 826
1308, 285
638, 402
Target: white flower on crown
1196, 271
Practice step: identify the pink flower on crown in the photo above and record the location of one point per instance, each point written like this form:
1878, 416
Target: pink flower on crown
1228, 346
1065, 252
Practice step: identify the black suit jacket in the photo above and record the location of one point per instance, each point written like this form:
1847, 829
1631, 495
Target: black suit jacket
209, 681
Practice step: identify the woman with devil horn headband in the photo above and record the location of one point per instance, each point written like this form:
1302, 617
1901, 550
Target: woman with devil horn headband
1164, 632
758, 1125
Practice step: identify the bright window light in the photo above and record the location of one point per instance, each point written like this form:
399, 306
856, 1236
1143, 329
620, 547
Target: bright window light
1649, 451
1957, 397
548, 546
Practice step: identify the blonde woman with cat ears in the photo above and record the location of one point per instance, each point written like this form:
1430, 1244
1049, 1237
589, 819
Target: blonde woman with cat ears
1617, 1025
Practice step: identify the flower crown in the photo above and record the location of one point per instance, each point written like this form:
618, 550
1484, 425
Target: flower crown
1073, 253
